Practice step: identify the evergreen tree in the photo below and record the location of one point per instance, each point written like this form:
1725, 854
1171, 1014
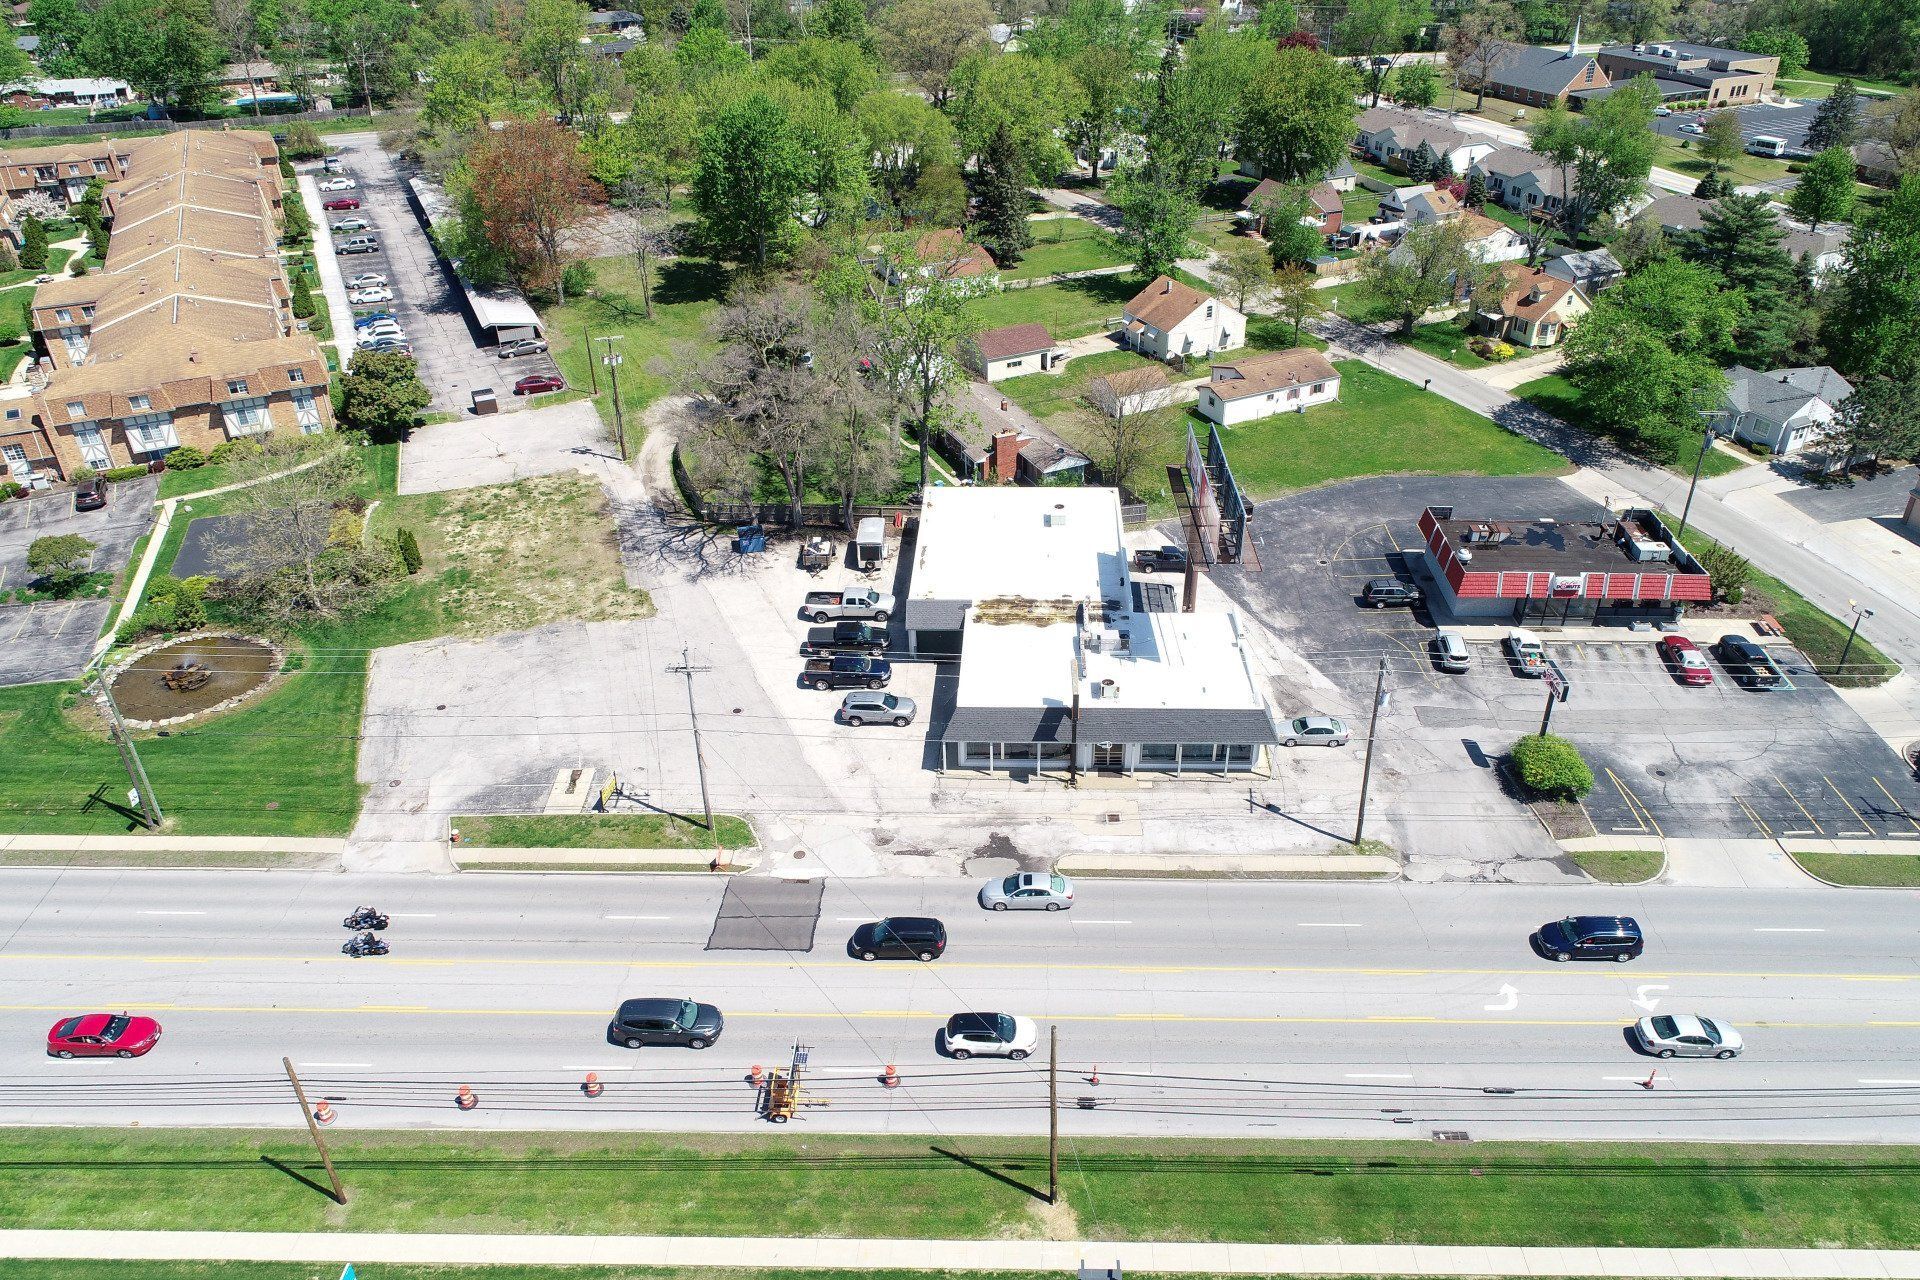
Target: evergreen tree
1739, 239
1002, 225
1420, 165
97, 242
1836, 123
7, 261
1476, 190
1442, 168
33, 244
1709, 186
303, 308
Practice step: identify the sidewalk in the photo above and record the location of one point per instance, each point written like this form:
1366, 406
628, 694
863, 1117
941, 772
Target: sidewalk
1059, 1257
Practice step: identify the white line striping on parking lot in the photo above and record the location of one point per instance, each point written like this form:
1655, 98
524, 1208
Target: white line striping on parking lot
173, 913
1890, 1082
1625, 1079
1789, 930
1324, 924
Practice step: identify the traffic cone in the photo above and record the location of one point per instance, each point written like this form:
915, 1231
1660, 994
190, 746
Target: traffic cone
592, 1086
891, 1078
1648, 1082
1095, 1077
465, 1099
324, 1113
758, 1076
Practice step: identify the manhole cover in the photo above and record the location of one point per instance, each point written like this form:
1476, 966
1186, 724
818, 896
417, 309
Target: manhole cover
1659, 773
1451, 1135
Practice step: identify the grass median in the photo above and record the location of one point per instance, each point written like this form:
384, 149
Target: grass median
1864, 870
602, 831
1620, 866
815, 1184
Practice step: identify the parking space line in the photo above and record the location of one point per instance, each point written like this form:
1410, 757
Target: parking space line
1818, 830
1866, 828
1897, 808
1637, 807
1754, 816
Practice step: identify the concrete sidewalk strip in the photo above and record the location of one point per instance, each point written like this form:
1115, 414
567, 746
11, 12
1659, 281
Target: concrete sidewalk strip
1057, 1256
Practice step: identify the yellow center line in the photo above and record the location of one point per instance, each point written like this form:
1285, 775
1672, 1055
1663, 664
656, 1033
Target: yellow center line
707, 965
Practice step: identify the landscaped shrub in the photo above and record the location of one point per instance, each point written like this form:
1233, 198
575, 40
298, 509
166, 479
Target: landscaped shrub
185, 458
303, 142
10, 489
7, 261
233, 451
33, 244
170, 604
407, 547
1491, 349
81, 474
125, 473
1551, 766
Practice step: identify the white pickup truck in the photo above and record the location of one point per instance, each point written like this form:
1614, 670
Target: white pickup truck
1528, 654
863, 603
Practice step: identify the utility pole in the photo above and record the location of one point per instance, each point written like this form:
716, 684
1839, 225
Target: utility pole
612, 360
1373, 733
326, 1157
593, 375
687, 668
149, 804
1713, 417
1860, 614
1053, 1114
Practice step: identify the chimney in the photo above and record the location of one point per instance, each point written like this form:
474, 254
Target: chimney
1166, 285
1006, 455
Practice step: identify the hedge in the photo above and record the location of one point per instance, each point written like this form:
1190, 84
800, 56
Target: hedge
1551, 766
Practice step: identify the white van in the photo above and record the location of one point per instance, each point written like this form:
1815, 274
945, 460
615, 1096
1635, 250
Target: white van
1767, 145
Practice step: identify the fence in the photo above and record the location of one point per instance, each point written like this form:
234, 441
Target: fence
140, 125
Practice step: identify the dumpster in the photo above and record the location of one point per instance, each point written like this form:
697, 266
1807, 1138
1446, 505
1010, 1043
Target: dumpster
484, 400
749, 538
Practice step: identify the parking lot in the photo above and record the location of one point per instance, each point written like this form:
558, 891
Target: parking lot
1788, 123
1669, 760
456, 357
53, 640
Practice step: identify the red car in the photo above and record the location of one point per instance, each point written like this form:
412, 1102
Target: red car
102, 1035
340, 202
535, 383
1686, 661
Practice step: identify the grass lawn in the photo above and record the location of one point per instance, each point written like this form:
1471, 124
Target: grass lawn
1562, 399
602, 831
1446, 341
1358, 205
496, 559
821, 1184
1497, 109
1045, 394
1669, 154
1068, 309
1819, 84
1048, 256
1875, 870
1814, 631
686, 296
1356, 304
1620, 866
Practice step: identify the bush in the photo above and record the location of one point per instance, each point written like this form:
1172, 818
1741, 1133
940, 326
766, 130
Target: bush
185, 458
171, 604
81, 474
61, 560
7, 261
1730, 572
576, 279
78, 267
407, 547
303, 142
11, 489
33, 244
232, 451
125, 473
1550, 765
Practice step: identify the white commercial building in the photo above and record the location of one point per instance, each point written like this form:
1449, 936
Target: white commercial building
1064, 659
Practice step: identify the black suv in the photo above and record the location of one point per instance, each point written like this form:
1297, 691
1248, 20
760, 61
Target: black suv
685, 1022
900, 938
1750, 666
1170, 559
1591, 938
1381, 592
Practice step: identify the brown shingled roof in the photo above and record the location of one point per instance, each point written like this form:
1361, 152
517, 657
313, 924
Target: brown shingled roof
1165, 303
1261, 374
1013, 340
1532, 294
954, 254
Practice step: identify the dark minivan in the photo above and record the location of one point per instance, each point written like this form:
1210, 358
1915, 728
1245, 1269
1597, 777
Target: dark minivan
684, 1022
900, 938
1591, 938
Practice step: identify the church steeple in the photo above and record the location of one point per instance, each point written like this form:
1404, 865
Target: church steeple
1573, 45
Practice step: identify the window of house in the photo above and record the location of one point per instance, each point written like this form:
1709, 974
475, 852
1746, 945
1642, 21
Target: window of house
86, 313
306, 411
296, 375
151, 433
140, 404
1318, 387
1209, 311
1015, 364
1019, 751
99, 166
63, 315
246, 417
236, 386
76, 409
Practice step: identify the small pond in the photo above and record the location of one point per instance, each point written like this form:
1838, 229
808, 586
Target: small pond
189, 676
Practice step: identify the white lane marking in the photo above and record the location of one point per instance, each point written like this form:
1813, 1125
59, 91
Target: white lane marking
851, 919
636, 917
414, 915
1789, 930
1379, 1075
323, 1066
1102, 922
1890, 1082
173, 913
1324, 924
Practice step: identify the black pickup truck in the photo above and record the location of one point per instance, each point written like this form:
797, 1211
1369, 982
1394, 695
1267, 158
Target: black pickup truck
845, 637
847, 673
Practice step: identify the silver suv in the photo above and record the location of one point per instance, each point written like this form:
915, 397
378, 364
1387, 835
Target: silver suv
872, 706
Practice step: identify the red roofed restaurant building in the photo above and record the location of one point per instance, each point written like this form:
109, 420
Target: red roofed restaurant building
1625, 568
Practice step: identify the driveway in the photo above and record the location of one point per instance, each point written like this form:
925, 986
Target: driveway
499, 449
53, 640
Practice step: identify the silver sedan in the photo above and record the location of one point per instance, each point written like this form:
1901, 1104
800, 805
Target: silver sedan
1316, 731
1682, 1035
1028, 891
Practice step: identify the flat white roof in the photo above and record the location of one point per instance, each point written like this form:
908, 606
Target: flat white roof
1011, 543
1171, 662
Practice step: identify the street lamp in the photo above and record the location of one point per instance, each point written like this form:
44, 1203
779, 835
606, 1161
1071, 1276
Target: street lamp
1860, 614
1713, 417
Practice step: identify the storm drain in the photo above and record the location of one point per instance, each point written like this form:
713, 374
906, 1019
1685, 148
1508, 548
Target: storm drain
767, 915
1451, 1135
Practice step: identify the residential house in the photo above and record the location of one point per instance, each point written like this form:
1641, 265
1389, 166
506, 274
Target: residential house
1290, 381
618, 23
1691, 72
1395, 202
1875, 163
1492, 241
1131, 391
1822, 249
1535, 309
1168, 319
1018, 458
949, 253
1012, 351
96, 93
1342, 176
1783, 409
1593, 270
1393, 137
1325, 209
1522, 180
1428, 207
1541, 77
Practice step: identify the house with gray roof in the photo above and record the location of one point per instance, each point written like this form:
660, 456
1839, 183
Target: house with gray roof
1392, 137
1540, 77
1593, 270
1821, 248
1523, 180
1783, 409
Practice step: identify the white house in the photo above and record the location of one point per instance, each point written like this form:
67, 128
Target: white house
1392, 137
1012, 351
1432, 206
1279, 382
1489, 241
1168, 319
1783, 409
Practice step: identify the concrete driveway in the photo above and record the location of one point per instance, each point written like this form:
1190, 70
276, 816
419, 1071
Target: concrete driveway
499, 449
53, 640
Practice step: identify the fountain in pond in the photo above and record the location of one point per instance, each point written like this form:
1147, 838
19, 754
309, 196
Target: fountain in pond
186, 677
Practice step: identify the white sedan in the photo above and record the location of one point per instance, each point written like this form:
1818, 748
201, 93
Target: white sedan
372, 293
1691, 127
1001, 1035
366, 280
1682, 1035
1028, 891
1316, 731
338, 184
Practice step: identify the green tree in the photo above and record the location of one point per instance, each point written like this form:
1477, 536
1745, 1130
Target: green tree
1721, 142
747, 184
1880, 420
1433, 264
1729, 571
548, 38
838, 68
1245, 272
840, 20
468, 86
1647, 359
1416, 84
1836, 121
382, 395
61, 25
1476, 190
1477, 42
1778, 42
1380, 32
906, 136
1002, 224
1710, 187
1873, 323
918, 319
1284, 219
925, 40
1030, 98
706, 53
1297, 115
303, 307
1420, 164
1739, 239
167, 50
1156, 218
33, 244
1296, 298
1107, 86
1551, 766
8, 262
1826, 190
1606, 152
62, 561
1195, 103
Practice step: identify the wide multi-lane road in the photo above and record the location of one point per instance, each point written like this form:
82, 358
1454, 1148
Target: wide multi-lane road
1227, 1007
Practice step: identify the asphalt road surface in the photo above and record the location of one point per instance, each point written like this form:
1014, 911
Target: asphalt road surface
1258, 1009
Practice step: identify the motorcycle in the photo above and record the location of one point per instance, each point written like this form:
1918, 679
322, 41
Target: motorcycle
364, 918
364, 944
